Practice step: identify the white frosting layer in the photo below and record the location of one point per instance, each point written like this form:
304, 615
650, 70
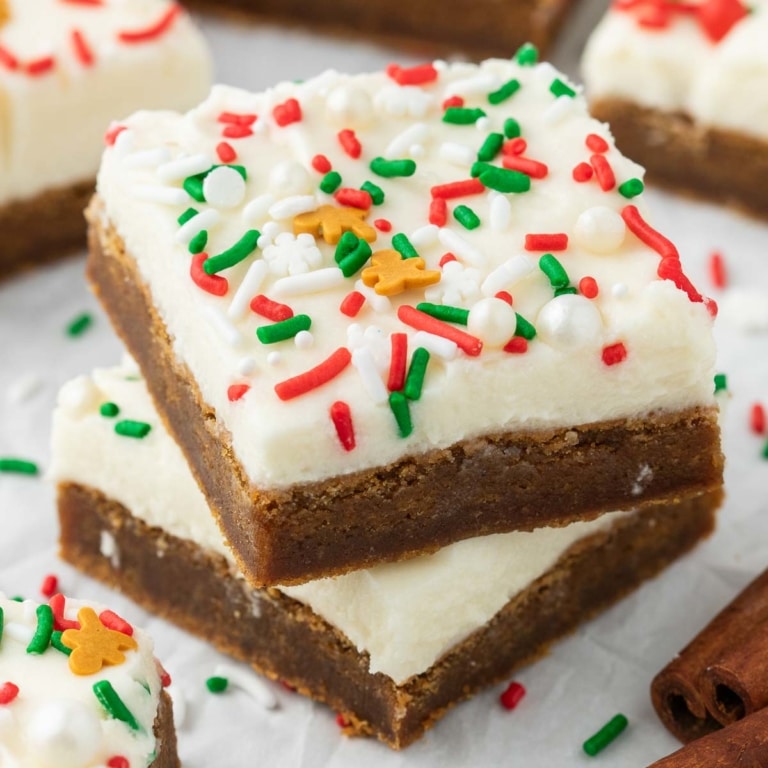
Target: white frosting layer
52, 123
405, 615
560, 380
56, 720
679, 68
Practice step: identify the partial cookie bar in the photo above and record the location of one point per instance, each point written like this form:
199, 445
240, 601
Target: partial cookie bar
400, 314
79, 686
683, 88
67, 70
393, 647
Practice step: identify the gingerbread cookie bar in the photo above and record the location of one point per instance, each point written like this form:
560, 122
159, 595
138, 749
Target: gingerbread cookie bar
398, 310
66, 71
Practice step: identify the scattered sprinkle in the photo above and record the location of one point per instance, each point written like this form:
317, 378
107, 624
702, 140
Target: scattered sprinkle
130, 428
512, 695
109, 410
721, 382
597, 743
757, 418
50, 585
79, 325
18, 466
217, 684
113, 704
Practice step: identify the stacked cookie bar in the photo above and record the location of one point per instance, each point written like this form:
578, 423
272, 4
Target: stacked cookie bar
414, 336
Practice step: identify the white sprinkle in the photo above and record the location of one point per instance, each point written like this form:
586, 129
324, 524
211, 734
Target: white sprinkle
292, 206
304, 340
619, 290
429, 234
179, 169
79, 396
124, 143
274, 358
460, 248
147, 158
560, 108
23, 388
162, 195
21, 633
256, 211
309, 282
482, 83
247, 289
269, 232
290, 177
437, 345
500, 214
458, 154
379, 303
224, 187
483, 123
506, 274
402, 143
247, 366
196, 225
108, 548
365, 365
416, 151
247, 681
223, 326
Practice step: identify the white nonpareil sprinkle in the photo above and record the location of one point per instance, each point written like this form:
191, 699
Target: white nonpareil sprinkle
21, 633
161, 195
175, 170
292, 206
436, 345
247, 366
500, 216
310, 282
195, 225
377, 302
429, 234
506, 274
365, 365
481, 84
147, 158
460, 248
224, 187
223, 327
248, 682
257, 211
457, 154
417, 133
304, 340
247, 289
560, 108
274, 358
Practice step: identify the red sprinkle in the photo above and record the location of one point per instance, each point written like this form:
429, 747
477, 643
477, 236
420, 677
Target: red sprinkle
112, 621
588, 287
513, 694
596, 143
58, 606
614, 353
118, 761
8, 692
421, 321
718, 16
446, 258
165, 678
226, 152
514, 146
383, 225
516, 345
235, 118
350, 143
40, 66
272, 310
545, 242
213, 284
315, 377
288, 112
647, 234
352, 304
354, 198
532, 168
8, 60
603, 172
717, 271
583, 172
83, 51
321, 164
757, 419
341, 721
670, 269
49, 585
418, 75
455, 189
453, 101
160, 27
235, 131
114, 130
504, 296
236, 391
438, 211
397, 361
342, 420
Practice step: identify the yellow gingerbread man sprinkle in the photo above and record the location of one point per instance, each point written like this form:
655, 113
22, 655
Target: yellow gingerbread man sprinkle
94, 645
330, 223
5, 12
390, 273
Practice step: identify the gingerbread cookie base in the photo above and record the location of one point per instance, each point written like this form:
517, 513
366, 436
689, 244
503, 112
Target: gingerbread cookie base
287, 641
44, 228
493, 484
165, 734
717, 165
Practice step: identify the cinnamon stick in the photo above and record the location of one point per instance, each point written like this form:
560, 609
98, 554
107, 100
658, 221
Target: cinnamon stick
741, 745
722, 674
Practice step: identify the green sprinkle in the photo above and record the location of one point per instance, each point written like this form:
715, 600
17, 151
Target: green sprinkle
566, 289
354, 261
479, 167
510, 88
721, 382
375, 191
18, 599
404, 247
399, 405
128, 428
466, 217
42, 637
527, 55
553, 269
109, 410
79, 325
524, 328
217, 684
19, 466
193, 186
346, 245
113, 704
330, 182
198, 242
631, 188
57, 644
491, 147
560, 88
391, 168
285, 329
511, 128
414, 380
190, 213
605, 735
765, 451
444, 312
505, 180
242, 249
462, 115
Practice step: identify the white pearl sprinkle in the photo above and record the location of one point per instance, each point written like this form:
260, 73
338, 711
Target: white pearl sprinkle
569, 321
247, 366
600, 230
304, 340
493, 321
619, 290
274, 358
